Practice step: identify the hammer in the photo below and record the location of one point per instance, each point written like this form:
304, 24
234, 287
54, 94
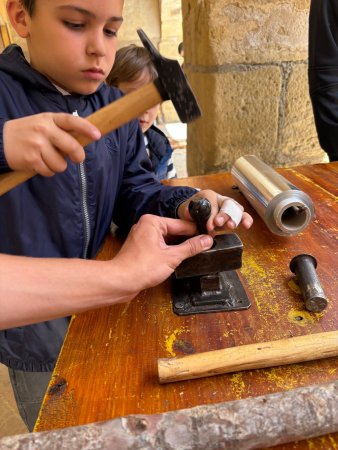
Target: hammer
171, 84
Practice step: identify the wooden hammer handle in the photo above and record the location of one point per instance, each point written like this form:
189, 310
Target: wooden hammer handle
105, 119
246, 357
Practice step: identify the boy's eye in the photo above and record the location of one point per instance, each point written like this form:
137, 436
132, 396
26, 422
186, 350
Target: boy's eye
73, 25
110, 33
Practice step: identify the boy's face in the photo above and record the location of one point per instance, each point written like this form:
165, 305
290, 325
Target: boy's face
148, 118
73, 42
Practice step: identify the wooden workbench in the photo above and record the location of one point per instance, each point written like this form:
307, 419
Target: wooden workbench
108, 364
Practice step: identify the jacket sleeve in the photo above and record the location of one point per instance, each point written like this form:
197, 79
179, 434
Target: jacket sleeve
323, 72
140, 192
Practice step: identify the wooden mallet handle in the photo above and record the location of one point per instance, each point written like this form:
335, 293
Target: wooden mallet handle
247, 357
105, 119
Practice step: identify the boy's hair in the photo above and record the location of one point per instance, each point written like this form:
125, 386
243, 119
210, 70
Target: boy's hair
130, 62
29, 6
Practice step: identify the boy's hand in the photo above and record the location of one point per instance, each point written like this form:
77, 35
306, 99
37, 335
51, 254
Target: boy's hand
41, 142
146, 260
225, 211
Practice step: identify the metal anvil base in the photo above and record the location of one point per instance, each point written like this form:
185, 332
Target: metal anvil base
208, 282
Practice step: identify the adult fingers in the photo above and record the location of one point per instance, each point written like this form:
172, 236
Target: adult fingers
177, 227
190, 247
194, 245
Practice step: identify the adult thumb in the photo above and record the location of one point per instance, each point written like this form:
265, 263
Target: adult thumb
197, 244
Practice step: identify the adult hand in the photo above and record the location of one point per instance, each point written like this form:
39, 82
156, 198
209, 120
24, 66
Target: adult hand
41, 142
38, 289
225, 211
146, 259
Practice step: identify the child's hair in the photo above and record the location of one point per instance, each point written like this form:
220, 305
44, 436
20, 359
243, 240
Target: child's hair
130, 62
29, 6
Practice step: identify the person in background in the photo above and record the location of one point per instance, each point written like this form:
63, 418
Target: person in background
323, 72
132, 69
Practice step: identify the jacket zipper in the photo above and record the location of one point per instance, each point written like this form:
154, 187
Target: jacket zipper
84, 204
86, 219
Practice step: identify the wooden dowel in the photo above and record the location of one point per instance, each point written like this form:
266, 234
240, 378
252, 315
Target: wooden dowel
246, 357
105, 119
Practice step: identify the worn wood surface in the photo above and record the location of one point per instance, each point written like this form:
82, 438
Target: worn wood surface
107, 367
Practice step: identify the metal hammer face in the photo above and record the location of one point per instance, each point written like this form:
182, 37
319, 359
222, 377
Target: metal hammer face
171, 83
226, 254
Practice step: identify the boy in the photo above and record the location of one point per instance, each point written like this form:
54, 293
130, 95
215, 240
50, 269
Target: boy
72, 46
132, 69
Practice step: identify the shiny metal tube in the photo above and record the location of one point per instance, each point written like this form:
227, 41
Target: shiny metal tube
283, 207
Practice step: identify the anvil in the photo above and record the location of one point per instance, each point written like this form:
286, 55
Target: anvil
208, 282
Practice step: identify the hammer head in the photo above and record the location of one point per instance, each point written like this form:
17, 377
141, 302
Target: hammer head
172, 84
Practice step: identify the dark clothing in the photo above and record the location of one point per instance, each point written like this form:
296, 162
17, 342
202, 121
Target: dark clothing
29, 389
160, 152
323, 72
69, 214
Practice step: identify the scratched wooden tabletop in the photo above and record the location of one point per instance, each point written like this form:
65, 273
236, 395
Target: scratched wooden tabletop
108, 364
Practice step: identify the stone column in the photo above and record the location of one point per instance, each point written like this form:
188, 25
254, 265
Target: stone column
247, 64
145, 15
171, 36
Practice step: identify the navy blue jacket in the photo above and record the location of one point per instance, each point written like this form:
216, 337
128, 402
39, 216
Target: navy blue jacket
160, 152
68, 215
323, 72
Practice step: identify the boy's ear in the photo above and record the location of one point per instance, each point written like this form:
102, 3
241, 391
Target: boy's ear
18, 17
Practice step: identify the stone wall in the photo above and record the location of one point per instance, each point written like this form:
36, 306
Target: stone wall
247, 63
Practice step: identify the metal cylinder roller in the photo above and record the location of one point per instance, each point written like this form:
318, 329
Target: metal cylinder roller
284, 208
304, 267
